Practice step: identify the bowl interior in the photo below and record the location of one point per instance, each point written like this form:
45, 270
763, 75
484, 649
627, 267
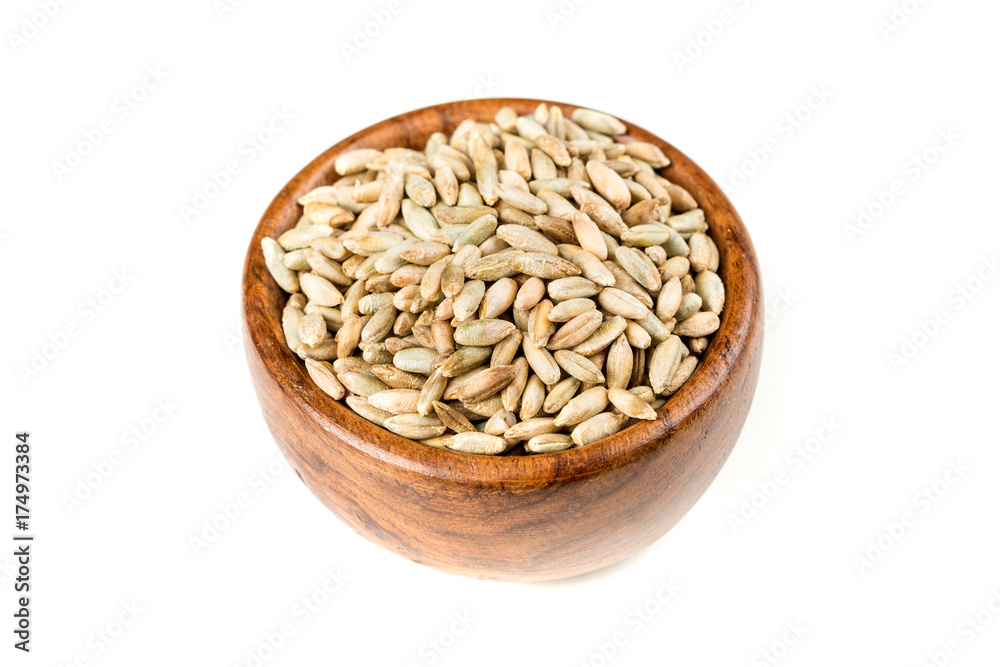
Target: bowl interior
263, 301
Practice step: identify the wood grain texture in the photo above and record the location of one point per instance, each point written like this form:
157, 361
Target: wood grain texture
518, 518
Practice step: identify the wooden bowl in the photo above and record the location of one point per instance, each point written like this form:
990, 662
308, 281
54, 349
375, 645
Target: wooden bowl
534, 517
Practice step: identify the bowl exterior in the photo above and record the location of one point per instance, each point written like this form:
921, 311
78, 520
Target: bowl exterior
526, 518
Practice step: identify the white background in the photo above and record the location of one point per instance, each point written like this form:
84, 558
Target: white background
840, 303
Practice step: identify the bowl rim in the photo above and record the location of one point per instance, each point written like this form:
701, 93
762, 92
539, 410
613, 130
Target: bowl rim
738, 268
